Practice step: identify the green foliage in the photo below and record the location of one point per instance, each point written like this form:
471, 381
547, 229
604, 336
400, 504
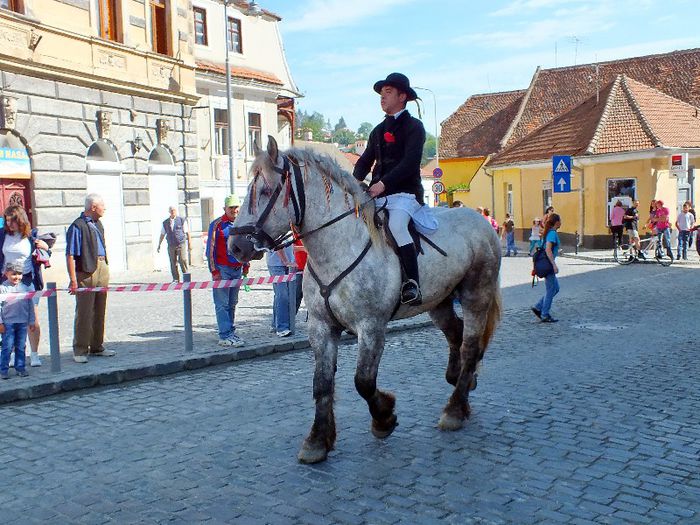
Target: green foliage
364, 130
429, 149
344, 136
340, 125
314, 122
464, 186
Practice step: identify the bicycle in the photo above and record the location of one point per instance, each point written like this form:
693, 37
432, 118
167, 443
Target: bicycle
626, 253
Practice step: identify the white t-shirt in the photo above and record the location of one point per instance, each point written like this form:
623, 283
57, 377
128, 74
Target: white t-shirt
17, 248
685, 221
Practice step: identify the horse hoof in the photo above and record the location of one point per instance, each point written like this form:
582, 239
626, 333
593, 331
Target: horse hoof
451, 423
386, 429
309, 455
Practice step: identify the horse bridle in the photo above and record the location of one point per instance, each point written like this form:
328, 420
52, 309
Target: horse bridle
256, 233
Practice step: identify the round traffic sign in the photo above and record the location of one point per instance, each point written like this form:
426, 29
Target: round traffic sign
438, 187
437, 173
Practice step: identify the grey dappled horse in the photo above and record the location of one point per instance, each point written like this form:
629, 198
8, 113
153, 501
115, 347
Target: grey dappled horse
308, 191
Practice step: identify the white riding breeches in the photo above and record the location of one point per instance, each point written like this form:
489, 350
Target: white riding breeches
398, 224
402, 207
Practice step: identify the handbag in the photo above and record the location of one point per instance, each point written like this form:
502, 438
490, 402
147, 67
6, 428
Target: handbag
542, 266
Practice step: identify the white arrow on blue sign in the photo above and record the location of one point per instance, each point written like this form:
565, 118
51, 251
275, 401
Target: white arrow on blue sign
561, 173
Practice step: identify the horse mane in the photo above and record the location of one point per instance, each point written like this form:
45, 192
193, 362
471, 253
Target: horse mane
329, 167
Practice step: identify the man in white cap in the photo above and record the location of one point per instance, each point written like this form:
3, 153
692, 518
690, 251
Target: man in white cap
224, 266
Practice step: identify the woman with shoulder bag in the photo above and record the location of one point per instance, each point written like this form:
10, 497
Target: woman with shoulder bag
17, 244
550, 239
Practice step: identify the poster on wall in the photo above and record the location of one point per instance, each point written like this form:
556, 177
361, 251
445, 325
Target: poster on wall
14, 164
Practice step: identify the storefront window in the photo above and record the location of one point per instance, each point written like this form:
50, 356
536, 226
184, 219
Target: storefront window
624, 190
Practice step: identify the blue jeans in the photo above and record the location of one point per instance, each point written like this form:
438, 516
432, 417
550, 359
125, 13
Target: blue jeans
664, 234
225, 300
683, 237
510, 244
280, 305
551, 289
15, 336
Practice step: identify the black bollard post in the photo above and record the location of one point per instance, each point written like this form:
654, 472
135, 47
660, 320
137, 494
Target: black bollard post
292, 303
576, 242
187, 303
54, 341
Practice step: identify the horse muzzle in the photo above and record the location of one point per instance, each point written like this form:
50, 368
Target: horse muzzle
243, 248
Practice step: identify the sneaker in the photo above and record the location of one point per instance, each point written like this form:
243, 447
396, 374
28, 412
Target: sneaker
34, 359
284, 333
537, 312
549, 319
236, 341
104, 353
4, 375
12, 360
22, 373
80, 358
273, 329
225, 342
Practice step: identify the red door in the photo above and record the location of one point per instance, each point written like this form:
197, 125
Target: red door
16, 192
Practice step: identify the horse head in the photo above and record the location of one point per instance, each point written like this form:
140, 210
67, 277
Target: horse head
264, 217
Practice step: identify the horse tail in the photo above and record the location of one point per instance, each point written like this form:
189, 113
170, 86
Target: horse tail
492, 319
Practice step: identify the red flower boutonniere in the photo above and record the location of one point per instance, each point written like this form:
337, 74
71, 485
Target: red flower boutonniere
389, 137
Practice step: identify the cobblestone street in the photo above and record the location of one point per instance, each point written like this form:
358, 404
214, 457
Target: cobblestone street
595, 419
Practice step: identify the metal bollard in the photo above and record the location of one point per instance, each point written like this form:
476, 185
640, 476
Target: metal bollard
187, 303
292, 303
576, 241
54, 340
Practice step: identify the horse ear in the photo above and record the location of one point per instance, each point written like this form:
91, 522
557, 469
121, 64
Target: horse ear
256, 148
272, 150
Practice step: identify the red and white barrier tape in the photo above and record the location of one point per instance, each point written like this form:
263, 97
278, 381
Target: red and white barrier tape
162, 287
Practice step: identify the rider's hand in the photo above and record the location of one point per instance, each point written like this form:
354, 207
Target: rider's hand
375, 190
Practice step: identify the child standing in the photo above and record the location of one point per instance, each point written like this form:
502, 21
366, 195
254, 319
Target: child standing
16, 316
535, 235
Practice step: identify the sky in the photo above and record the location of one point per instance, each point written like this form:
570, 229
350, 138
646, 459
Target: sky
338, 49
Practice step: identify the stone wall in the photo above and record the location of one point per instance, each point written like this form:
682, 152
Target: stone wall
59, 122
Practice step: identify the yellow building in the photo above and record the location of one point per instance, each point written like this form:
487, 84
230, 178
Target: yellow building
621, 141
522, 184
99, 97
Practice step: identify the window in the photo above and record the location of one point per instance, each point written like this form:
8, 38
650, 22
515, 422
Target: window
233, 32
254, 132
546, 195
109, 19
220, 132
509, 199
159, 27
13, 5
624, 190
200, 26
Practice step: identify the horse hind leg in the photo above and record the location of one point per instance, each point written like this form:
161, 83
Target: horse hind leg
444, 317
321, 439
381, 404
480, 319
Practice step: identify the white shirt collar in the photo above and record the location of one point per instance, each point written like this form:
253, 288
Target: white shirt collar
396, 115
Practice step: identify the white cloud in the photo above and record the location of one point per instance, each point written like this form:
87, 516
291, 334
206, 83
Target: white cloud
319, 15
519, 7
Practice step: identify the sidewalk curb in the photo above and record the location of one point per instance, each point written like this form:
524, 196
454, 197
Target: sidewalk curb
75, 382
587, 258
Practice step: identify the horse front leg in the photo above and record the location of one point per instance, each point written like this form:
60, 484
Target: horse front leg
381, 404
321, 439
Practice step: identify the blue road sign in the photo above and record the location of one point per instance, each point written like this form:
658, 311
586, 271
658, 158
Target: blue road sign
561, 173
437, 173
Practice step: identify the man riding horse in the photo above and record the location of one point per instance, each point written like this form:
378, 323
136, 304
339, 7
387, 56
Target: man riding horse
395, 148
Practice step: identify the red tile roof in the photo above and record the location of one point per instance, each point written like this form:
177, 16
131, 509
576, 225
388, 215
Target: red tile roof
485, 138
240, 72
626, 116
555, 91
469, 115
352, 157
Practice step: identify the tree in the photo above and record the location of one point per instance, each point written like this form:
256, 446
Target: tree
344, 136
429, 149
340, 125
314, 122
364, 130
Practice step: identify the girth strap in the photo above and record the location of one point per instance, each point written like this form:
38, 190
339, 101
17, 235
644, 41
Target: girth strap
326, 290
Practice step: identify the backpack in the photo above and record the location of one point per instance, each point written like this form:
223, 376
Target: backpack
541, 265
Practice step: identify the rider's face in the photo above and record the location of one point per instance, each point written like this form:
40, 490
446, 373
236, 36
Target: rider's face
392, 100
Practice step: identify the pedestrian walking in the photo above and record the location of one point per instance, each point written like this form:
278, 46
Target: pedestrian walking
492, 221
617, 215
18, 243
535, 234
393, 155
550, 239
509, 233
281, 262
684, 224
176, 231
662, 225
15, 318
224, 266
631, 223
86, 260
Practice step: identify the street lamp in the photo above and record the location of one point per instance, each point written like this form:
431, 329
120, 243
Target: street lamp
437, 137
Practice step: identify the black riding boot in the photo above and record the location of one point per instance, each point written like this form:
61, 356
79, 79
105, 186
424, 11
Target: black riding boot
410, 290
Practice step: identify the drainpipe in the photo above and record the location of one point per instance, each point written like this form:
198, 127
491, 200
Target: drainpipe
581, 206
493, 194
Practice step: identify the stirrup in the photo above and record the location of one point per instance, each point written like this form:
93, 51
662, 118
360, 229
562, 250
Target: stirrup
410, 293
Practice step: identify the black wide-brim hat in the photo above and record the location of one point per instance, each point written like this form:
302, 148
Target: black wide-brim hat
400, 82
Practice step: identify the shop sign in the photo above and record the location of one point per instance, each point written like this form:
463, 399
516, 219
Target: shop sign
679, 165
14, 164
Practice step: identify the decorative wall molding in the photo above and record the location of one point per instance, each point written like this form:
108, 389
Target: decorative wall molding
104, 124
9, 111
162, 130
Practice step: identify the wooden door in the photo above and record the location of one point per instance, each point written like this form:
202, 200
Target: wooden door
16, 192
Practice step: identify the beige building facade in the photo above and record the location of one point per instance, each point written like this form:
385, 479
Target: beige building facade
98, 96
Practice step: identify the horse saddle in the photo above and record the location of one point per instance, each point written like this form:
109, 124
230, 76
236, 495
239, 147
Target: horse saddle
381, 219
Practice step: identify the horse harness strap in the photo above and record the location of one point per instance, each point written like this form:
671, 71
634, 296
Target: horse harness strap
326, 290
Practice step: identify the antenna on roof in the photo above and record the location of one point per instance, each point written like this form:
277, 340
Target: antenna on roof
596, 68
